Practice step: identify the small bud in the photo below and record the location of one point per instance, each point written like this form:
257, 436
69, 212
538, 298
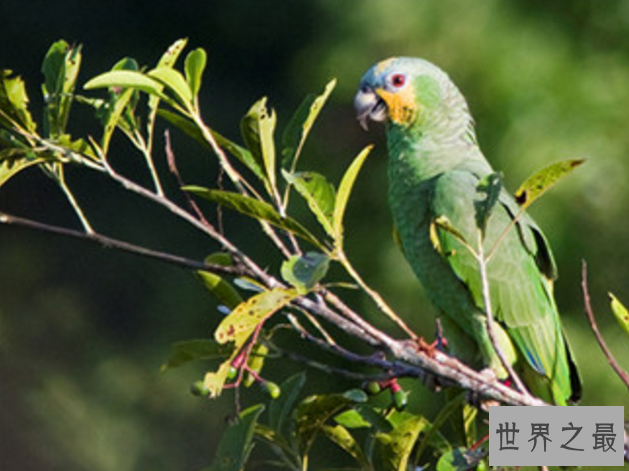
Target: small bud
400, 399
232, 373
271, 388
372, 388
198, 389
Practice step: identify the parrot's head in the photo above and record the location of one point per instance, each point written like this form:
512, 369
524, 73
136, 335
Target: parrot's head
405, 91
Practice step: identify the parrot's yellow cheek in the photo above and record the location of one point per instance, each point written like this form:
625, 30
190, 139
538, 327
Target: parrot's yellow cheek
402, 105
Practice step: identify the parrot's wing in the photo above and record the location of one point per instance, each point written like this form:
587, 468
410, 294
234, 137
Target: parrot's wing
520, 272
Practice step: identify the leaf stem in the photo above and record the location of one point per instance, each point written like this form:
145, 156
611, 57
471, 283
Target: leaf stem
374, 295
482, 267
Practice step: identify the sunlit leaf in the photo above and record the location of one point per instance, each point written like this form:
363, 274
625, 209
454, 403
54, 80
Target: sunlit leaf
352, 419
344, 191
298, 128
234, 149
318, 193
14, 102
536, 185
256, 359
60, 68
255, 209
168, 59
175, 82
488, 190
305, 271
215, 380
243, 320
620, 312
281, 409
395, 448
341, 436
118, 101
10, 168
196, 350
126, 79
237, 442
194, 66
257, 129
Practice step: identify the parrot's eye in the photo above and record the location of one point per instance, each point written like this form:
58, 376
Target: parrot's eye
398, 80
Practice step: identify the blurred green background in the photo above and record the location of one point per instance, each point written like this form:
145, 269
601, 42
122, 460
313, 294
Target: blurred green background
83, 331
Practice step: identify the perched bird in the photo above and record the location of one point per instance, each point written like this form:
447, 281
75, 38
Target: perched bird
435, 168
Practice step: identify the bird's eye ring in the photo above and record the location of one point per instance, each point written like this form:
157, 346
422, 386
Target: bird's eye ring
398, 80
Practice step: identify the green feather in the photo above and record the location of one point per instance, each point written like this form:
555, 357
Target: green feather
435, 166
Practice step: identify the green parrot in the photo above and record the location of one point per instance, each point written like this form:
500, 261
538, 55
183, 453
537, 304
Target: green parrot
434, 170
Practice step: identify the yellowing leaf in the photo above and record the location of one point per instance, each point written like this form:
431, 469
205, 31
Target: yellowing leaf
244, 319
214, 381
539, 183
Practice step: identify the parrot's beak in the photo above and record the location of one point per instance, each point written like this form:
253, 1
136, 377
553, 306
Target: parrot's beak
369, 105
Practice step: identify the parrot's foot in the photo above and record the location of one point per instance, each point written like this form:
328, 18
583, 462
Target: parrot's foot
429, 348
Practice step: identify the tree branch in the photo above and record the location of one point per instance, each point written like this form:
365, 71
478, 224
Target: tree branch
108, 242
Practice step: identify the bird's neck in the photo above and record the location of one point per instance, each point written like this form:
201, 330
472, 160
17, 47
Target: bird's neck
423, 152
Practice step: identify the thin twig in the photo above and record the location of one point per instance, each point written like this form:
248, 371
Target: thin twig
373, 294
622, 374
172, 166
75, 205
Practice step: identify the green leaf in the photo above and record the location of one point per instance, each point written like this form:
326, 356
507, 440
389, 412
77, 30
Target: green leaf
394, 449
195, 65
620, 312
168, 59
257, 357
341, 436
281, 410
536, 185
305, 271
10, 168
175, 82
488, 189
314, 412
14, 102
318, 193
254, 208
224, 292
344, 191
191, 129
127, 79
460, 459
195, 350
60, 68
257, 129
117, 104
237, 442
298, 128
352, 419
